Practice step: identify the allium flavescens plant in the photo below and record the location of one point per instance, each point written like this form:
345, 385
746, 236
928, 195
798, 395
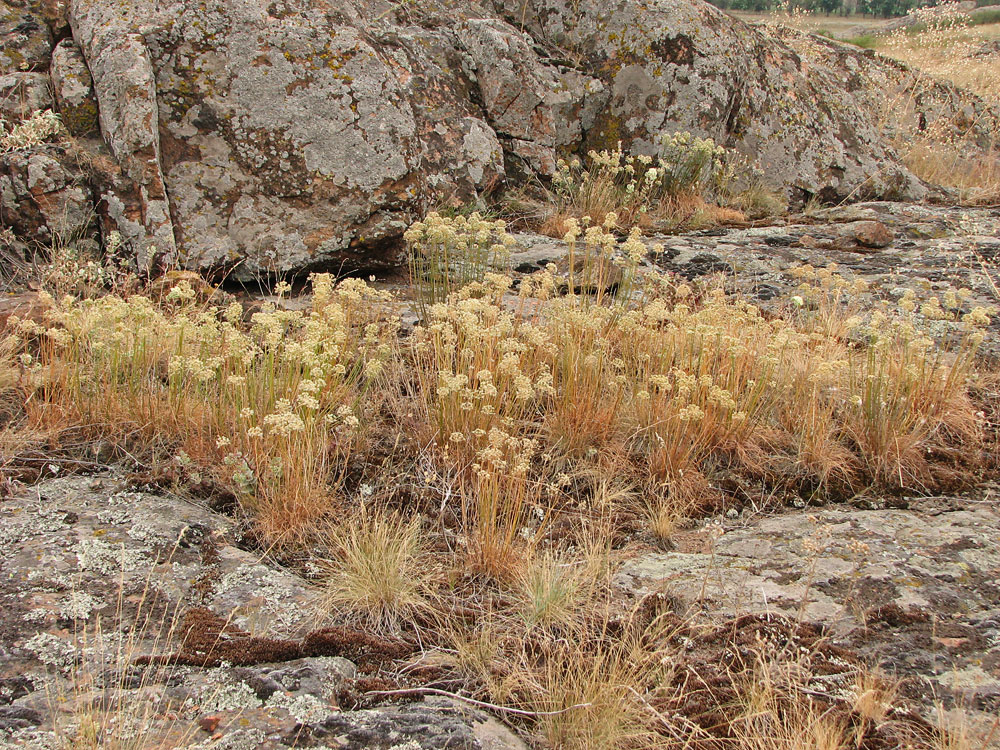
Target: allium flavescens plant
900, 395
277, 404
447, 254
689, 164
684, 384
34, 131
668, 386
632, 187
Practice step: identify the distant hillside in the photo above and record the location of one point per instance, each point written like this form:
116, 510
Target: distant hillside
880, 8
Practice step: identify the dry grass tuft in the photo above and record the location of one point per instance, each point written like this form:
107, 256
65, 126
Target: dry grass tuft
768, 718
552, 589
379, 573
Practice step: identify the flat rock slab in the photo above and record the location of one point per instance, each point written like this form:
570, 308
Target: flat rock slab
98, 582
916, 590
905, 246
893, 247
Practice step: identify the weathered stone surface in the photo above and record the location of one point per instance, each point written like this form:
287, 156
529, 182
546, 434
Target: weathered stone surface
915, 589
282, 137
25, 38
538, 109
13, 718
902, 101
124, 82
79, 549
74, 89
431, 725
677, 65
42, 199
872, 234
23, 94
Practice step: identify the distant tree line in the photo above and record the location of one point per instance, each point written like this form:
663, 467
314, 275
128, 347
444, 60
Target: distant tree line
881, 8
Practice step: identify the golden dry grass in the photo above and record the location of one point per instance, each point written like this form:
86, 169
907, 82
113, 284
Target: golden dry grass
510, 438
963, 153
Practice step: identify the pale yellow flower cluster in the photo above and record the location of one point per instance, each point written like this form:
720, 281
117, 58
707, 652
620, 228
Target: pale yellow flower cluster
449, 253
33, 131
290, 384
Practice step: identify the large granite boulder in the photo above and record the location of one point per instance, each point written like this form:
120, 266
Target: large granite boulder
260, 138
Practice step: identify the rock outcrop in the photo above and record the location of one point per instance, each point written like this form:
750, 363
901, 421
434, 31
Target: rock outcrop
99, 582
262, 138
43, 198
914, 588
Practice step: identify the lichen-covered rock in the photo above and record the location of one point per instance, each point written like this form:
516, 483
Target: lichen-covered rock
25, 38
125, 84
74, 89
682, 65
43, 198
23, 94
432, 725
537, 109
79, 551
281, 137
900, 99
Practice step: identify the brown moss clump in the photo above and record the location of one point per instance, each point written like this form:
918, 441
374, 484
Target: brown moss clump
208, 640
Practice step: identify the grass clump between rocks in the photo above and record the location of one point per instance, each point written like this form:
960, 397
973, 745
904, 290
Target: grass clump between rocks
689, 182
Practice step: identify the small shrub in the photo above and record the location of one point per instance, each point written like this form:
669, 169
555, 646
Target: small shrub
32, 132
865, 41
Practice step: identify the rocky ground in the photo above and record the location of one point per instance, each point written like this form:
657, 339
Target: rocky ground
913, 588
892, 246
121, 600
95, 575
